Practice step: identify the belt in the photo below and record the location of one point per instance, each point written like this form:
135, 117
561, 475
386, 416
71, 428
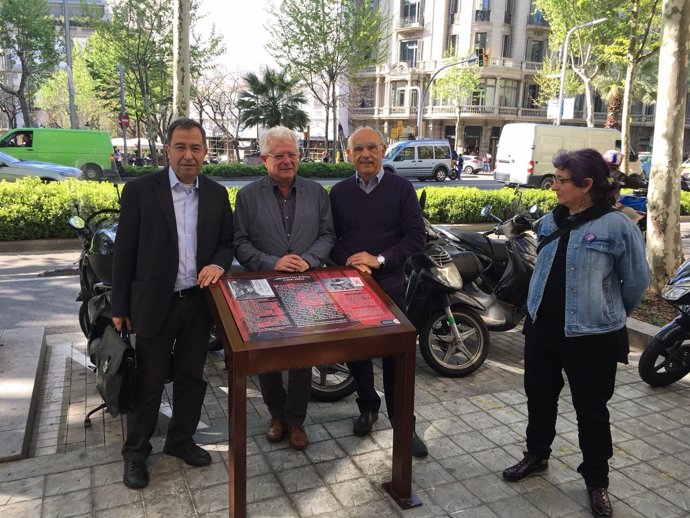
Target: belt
185, 292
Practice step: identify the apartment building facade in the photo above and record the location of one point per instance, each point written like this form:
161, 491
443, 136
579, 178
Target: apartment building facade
515, 37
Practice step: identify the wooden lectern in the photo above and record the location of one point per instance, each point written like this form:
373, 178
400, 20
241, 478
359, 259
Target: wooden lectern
271, 321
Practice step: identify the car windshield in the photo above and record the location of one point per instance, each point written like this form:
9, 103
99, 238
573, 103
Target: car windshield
391, 151
8, 159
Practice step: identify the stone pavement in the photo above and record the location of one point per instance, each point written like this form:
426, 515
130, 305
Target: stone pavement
474, 428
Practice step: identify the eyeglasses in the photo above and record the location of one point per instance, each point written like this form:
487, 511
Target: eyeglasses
561, 181
282, 156
372, 148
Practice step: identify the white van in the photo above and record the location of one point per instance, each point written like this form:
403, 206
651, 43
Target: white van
525, 150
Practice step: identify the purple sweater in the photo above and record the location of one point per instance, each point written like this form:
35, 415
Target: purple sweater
386, 221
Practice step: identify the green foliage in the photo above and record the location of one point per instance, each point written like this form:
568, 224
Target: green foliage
29, 36
238, 170
54, 101
272, 100
30, 209
325, 42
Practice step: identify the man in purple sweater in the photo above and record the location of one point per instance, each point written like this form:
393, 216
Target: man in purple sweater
378, 225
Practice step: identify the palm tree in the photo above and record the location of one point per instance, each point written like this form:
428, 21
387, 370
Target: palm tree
272, 100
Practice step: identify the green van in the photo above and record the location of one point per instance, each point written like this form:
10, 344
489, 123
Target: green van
90, 151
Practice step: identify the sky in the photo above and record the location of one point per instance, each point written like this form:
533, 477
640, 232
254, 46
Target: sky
241, 23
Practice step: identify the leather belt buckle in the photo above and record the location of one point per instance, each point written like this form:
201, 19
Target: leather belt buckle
185, 292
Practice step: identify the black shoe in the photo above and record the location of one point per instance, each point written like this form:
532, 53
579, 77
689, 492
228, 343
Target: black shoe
191, 454
363, 423
528, 466
136, 475
418, 447
599, 502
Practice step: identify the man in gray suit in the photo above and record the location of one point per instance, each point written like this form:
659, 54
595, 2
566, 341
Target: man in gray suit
283, 222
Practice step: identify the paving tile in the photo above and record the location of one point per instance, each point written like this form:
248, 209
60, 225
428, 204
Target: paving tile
453, 497
647, 475
324, 451
355, 492
77, 503
281, 507
640, 449
429, 474
338, 470
678, 494
135, 510
462, 467
373, 462
515, 507
315, 501
21, 490
300, 479
75, 480
652, 505
212, 499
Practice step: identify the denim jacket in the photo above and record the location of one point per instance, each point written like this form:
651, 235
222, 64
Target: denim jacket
606, 273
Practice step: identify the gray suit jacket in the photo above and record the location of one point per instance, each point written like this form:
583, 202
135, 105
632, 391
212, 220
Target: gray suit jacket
259, 236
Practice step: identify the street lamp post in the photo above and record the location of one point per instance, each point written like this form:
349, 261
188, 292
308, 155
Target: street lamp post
565, 62
422, 97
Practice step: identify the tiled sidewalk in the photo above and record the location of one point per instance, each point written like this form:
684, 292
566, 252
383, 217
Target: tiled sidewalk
474, 428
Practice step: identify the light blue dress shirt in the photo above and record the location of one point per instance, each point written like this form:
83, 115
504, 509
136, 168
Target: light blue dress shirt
186, 204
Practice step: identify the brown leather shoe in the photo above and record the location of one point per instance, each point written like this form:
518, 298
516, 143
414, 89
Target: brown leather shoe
298, 437
276, 430
599, 502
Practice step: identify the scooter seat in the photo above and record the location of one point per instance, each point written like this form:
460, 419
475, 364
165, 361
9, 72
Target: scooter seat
497, 248
468, 264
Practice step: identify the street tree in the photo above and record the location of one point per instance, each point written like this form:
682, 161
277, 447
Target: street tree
9, 106
214, 96
636, 39
456, 85
584, 49
664, 250
271, 100
90, 108
138, 35
327, 43
29, 37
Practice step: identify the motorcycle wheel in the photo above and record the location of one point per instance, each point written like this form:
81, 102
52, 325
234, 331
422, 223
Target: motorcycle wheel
84, 321
665, 362
453, 175
436, 343
331, 382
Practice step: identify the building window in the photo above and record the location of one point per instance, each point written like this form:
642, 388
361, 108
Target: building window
366, 95
397, 93
507, 92
408, 52
531, 94
506, 48
485, 93
508, 13
452, 45
480, 40
536, 51
482, 11
410, 10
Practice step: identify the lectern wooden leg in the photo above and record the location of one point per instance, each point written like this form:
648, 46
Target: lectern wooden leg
237, 455
400, 488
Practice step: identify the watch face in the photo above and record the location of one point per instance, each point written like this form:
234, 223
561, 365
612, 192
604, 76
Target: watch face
381, 259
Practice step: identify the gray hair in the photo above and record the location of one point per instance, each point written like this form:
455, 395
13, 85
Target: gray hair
276, 133
349, 139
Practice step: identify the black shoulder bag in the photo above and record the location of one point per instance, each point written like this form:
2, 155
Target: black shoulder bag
115, 372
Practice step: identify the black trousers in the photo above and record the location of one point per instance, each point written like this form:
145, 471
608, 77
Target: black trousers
291, 406
362, 371
186, 328
591, 376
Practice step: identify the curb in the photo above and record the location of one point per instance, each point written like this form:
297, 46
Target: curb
40, 246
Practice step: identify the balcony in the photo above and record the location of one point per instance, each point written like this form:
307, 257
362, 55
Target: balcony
537, 20
482, 15
412, 24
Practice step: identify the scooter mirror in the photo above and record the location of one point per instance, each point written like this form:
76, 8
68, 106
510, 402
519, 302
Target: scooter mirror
77, 222
486, 210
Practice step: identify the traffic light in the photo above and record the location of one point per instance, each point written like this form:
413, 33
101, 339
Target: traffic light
480, 56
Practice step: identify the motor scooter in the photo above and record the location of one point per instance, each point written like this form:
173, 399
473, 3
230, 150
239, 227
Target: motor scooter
666, 359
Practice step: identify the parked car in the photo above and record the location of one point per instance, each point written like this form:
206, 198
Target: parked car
12, 168
421, 158
91, 151
471, 164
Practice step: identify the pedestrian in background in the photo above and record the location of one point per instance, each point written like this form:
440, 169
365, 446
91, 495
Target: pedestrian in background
591, 272
174, 238
378, 224
283, 222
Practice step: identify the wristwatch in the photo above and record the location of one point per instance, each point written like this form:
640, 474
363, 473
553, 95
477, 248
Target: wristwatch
381, 260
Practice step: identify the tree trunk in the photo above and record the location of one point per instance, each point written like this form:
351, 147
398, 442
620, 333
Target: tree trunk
627, 111
613, 110
664, 247
589, 104
335, 121
181, 73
